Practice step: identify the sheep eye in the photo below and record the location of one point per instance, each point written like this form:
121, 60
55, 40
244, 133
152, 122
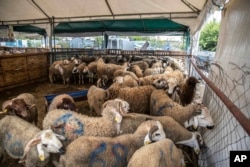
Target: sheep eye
157, 134
45, 145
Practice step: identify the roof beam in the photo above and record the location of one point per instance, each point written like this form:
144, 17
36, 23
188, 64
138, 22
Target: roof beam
192, 7
107, 3
33, 1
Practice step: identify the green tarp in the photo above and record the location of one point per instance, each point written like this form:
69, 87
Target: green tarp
136, 25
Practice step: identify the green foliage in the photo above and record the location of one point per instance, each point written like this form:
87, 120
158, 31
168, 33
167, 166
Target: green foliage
209, 36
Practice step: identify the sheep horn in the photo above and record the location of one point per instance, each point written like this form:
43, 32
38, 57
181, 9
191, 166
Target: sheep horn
30, 144
152, 130
4, 111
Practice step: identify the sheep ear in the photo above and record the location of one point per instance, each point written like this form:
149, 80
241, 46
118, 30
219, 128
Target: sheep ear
30, 144
60, 137
107, 95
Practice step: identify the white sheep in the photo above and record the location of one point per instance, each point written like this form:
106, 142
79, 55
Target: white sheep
73, 125
23, 106
106, 151
22, 140
202, 120
96, 97
162, 153
172, 129
62, 101
161, 104
137, 97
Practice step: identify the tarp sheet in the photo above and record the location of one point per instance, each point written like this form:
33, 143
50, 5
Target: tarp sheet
40, 12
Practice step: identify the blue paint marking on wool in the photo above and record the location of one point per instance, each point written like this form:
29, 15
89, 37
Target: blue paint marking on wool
94, 159
15, 148
65, 119
159, 111
120, 152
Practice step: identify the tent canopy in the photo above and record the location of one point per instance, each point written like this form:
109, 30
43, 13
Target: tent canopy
96, 15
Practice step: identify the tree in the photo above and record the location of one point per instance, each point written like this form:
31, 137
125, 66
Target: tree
209, 36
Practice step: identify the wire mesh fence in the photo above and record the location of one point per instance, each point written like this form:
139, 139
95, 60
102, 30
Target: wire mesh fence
228, 134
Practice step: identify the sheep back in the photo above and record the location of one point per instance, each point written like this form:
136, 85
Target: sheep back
137, 97
162, 153
162, 105
72, 125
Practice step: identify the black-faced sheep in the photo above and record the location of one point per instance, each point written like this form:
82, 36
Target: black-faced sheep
73, 125
62, 101
161, 104
105, 151
162, 153
23, 106
22, 140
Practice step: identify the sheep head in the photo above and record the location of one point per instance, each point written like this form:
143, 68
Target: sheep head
45, 141
67, 104
154, 131
18, 107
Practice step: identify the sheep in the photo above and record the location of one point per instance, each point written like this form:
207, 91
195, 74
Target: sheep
173, 130
66, 72
73, 125
23, 106
96, 97
202, 120
187, 90
79, 70
124, 73
54, 69
152, 71
106, 151
126, 81
136, 69
109, 68
161, 104
137, 97
18, 138
162, 153
142, 64
62, 101
148, 80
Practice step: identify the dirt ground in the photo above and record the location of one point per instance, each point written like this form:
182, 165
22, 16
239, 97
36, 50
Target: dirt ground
39, 90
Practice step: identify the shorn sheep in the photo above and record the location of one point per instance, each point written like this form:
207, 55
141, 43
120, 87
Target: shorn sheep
23, 106
22, 140
162, 153
73, 125
161, 104
106, 151
62, 101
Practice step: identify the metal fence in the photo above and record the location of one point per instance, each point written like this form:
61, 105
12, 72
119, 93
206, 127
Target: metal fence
228, 98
